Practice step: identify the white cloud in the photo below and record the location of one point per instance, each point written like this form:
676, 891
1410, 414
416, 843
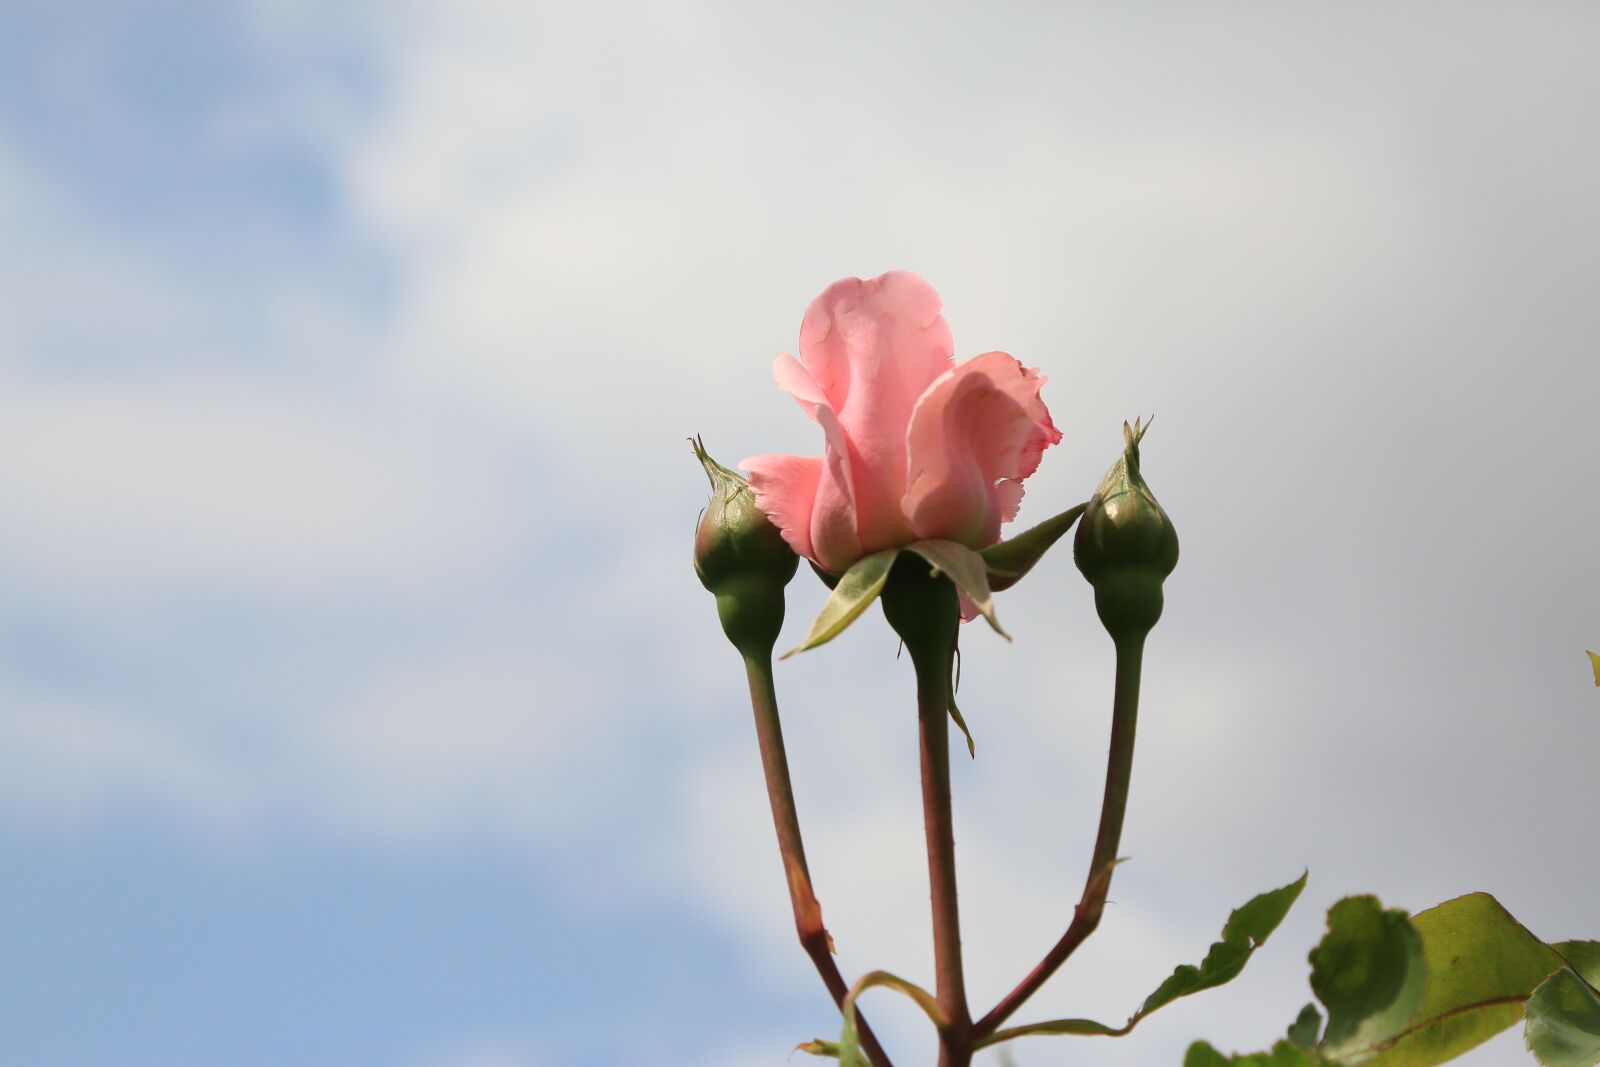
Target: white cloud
1352, 317
68, 762
228, 492
153, 452
494, 739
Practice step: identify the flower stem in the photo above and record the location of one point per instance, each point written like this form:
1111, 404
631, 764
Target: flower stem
786, 821
933, 711
1114, 806
924, 610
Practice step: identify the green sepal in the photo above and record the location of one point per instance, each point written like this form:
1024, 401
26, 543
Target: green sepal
961, 724
966, 569
828, 578
1011, 559
1370, 973
856, 590
1563, 1027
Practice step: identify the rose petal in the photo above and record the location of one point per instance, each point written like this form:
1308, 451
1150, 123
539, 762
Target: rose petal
969, 610
786, 490
978, 424
871, 348
836, 520
793, 378
1008, 491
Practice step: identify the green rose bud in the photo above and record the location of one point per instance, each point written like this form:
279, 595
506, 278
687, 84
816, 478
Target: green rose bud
742, 559
1126, 546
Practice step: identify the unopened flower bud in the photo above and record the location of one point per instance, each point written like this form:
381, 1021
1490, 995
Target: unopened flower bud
740, 556
1126, 545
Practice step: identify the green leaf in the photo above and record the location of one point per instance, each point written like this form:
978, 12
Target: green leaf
849, 1047
1246, 930
818, 1047
1009, 560
1055, 1028
1201, 1054
1563, 1028
955, 714
1283, 1054
1583, 957
850, 1039
854, 593
1418, 992
1306, 1026
1482, 966
1594, 661
964, 567
1369, 972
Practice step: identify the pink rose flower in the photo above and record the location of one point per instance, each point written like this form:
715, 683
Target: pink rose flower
916, 447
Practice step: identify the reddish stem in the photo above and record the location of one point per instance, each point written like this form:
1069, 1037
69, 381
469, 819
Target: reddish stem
933, 719
1119, 772
786, 821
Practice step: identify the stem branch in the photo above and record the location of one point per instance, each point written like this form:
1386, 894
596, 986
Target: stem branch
1119, 772
786, 821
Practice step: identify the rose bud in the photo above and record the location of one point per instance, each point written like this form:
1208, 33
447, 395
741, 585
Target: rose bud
742, 559
1126, 545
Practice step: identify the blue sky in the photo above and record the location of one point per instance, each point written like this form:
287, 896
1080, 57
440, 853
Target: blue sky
358, 705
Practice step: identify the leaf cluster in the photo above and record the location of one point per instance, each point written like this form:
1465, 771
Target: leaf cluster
1414, 991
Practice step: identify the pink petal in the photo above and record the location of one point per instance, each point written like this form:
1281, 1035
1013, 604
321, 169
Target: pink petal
1009, 493
811, 499
793, 378
969, 610
835, 523
977, 425
871, 348
786, 489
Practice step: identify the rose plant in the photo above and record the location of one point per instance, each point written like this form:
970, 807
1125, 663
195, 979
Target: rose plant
923, 462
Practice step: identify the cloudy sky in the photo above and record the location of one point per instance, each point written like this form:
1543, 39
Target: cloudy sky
358, 705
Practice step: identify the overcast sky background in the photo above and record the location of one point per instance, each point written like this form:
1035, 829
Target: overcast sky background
358, 705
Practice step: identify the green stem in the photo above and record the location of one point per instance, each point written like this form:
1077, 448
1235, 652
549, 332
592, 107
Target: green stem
1119, 767
925, 611
933, 719
1113, 808
786, 821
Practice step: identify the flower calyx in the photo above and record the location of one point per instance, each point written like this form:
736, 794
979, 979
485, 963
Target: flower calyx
1126, 545
742, 559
